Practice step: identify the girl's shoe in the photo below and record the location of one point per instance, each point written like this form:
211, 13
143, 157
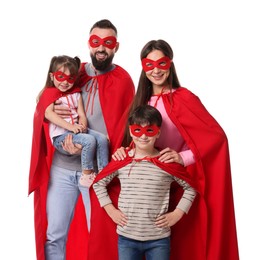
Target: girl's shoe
87, 180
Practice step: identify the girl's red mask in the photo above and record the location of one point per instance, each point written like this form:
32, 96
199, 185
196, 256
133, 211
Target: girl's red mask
61, 76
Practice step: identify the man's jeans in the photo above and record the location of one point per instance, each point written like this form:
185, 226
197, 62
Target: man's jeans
62, 196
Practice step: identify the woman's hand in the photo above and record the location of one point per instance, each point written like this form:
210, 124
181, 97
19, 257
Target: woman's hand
70, 147
119, 155
169, 155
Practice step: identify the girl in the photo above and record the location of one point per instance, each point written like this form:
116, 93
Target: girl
61, 77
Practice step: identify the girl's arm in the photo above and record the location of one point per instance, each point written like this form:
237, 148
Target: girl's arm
81, 114
57, 120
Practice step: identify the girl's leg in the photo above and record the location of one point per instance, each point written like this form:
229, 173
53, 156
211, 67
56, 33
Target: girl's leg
58, 140
62, 196
102, 148
88, 143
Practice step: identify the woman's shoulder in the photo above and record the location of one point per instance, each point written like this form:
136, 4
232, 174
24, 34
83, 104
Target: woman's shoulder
183, 90
184, 93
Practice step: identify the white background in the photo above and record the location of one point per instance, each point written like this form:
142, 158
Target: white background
220, 55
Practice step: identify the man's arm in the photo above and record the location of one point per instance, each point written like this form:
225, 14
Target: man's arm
62, 111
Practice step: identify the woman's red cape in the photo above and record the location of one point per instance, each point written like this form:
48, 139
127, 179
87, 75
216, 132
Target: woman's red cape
208, 232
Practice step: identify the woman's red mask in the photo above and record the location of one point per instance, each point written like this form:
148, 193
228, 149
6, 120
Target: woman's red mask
149, 130
109, 42
61, 76
163, 63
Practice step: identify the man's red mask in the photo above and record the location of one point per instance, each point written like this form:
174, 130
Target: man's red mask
109, 42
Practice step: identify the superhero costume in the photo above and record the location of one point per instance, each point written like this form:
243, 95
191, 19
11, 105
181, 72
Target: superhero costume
208, 232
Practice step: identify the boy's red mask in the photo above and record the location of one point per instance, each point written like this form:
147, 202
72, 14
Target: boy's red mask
149, 130
109, 42
61, 76
163, 63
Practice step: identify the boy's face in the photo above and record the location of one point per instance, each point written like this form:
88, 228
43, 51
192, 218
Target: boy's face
144, 136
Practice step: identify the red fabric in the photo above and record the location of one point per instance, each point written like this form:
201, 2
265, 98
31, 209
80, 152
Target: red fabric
41, 144
41, 158
116, 91
208, 231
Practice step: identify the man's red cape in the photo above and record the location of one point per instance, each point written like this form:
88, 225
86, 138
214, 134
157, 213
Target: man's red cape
116, 91
208, 232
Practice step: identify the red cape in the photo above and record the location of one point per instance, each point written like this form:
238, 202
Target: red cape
208, 232
174, 169
41, 144
116, 91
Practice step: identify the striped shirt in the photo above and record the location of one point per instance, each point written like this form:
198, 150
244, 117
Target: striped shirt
144, 195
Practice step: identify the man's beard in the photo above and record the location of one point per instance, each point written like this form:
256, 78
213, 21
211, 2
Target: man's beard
102, 64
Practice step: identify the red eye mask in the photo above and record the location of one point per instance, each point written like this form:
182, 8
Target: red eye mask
61, 76
109, 42
163, 63
149, 130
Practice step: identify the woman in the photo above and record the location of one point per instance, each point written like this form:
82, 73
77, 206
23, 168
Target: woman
195, 140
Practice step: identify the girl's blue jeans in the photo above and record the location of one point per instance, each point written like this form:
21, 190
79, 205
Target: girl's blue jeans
130, 249
94, 144
63, 192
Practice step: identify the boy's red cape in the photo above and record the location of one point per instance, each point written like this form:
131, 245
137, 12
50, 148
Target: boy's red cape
208, 231
116, 91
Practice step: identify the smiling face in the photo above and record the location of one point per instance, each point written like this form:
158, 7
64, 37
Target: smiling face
62, 79
158, 75
103, 45
144, 136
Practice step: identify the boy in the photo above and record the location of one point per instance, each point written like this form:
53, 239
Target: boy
142, 218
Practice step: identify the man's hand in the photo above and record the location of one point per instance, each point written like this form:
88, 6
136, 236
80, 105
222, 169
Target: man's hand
70, 147
62, 111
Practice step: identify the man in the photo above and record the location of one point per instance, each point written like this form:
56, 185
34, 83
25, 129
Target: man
107, 91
